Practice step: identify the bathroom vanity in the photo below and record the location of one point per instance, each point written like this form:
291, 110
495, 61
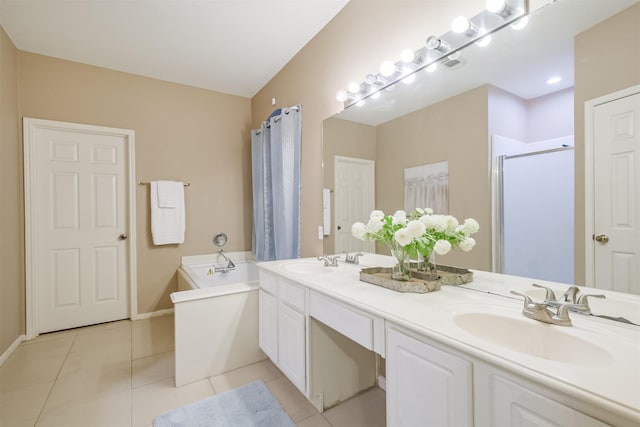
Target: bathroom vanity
459, 356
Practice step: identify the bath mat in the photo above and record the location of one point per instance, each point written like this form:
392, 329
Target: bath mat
247, 406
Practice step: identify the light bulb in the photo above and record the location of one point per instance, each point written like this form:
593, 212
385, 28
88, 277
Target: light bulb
375, 95
407, 56
341, 96
484, 40
460, 25
435, 43
354, 87
431, 68
520, 23
387, 68
410, 78
370, 79
495, 6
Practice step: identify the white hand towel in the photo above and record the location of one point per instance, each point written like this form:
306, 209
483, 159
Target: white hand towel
167, 223
168, 194
326, 211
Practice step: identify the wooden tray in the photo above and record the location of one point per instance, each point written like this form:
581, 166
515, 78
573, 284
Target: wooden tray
381, 276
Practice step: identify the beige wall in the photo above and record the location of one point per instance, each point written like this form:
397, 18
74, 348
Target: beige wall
454, 130
354, 43
181, 132
12, 316
347, 139
607, 59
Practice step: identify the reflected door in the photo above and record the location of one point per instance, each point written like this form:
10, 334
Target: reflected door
354, 184
617, 198
82, 253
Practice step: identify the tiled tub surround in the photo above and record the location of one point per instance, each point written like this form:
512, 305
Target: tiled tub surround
496, 359
216, 316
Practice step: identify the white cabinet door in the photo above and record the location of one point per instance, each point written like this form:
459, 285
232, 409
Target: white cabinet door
291, 345
511, 403
425, 385
268, 325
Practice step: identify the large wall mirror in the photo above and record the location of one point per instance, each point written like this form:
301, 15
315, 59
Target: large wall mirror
502, 120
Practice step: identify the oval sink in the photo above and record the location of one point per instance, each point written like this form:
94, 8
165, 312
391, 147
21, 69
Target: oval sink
533, 338
307, 267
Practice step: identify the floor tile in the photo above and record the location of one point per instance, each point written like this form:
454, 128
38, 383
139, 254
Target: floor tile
262, 371
291, 400
95, 410
103, 339
152, 336
367, 410
22, 407
96, 358
104, 326
16, 374
37, 350
315, 421
49, 336
152, 369
74, 384
157, 398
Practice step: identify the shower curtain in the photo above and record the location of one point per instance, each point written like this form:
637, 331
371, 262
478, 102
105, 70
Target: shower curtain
427, 186
275, 158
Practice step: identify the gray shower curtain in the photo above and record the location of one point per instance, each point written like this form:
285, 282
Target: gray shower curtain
275, 157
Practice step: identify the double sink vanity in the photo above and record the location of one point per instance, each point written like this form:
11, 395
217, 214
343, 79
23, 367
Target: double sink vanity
462, 356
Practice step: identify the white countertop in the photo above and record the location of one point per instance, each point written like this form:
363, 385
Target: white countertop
608, 376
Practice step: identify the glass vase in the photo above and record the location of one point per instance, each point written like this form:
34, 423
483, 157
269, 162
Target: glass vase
401, 271
428, 263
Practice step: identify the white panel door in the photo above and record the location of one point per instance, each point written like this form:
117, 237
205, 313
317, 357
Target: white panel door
617, 195
354, 194
81, 226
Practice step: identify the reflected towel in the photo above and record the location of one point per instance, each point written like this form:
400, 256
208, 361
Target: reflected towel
168, 223
168, 193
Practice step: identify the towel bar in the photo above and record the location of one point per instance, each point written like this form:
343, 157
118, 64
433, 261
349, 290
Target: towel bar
186, 184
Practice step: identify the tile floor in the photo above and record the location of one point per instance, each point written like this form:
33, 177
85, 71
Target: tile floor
121, 374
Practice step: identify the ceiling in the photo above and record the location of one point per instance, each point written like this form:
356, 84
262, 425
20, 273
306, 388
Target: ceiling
230, 46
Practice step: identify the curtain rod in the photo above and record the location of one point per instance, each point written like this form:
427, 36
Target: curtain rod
186, 184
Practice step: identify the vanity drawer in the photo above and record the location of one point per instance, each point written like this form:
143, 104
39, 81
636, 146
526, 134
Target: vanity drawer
269, 282
350, 323
291, 294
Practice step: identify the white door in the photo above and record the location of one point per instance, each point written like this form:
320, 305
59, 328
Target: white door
79, 216
354, 190
616, 231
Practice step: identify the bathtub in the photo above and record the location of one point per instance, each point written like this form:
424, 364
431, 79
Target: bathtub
216, 316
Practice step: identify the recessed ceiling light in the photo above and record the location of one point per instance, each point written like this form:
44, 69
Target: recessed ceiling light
554, 80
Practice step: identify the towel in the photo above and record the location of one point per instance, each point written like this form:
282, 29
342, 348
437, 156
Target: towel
167, 223
326, 211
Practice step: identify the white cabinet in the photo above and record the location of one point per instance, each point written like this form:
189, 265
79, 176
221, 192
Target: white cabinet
268, 324
503, 399
282, 326
426, 386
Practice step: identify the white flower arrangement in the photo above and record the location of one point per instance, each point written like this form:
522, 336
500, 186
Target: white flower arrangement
421, 233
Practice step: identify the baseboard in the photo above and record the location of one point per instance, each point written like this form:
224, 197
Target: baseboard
382, 382
157, 313
8, 352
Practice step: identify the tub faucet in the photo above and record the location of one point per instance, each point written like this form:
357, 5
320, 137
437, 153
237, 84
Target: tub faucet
352, 259
230, 265
329, 261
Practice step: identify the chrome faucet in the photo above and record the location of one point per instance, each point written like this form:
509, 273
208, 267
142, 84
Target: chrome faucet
542, 313
574, 302
230, 265
352, 259
329, 261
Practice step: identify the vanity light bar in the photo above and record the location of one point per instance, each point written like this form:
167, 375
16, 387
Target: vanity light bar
497, 15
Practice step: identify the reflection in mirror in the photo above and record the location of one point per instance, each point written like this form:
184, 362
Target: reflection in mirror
513, 98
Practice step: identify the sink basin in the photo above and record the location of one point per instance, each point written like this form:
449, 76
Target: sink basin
533, 338
308, 267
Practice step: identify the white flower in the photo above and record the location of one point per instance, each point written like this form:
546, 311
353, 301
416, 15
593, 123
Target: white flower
400, 217
471, 226
452, 222
442, 247
428, 211
420, 211
359, 231
376, 215
467, 244
374, 225
416, 228
439, 222
403, 237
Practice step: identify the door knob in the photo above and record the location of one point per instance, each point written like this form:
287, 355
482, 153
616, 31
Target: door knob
601, 238
339, 228
122, 237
